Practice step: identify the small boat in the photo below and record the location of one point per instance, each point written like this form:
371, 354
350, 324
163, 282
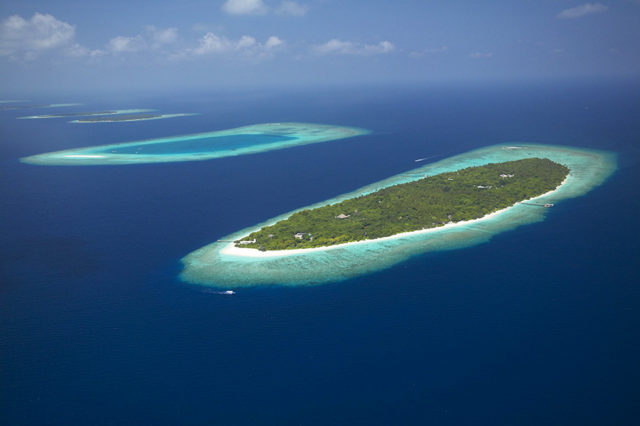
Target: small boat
229, 292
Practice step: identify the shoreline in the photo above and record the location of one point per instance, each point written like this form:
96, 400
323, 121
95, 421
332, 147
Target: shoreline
231, 249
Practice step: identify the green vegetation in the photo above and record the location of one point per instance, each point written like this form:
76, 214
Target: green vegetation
426, 203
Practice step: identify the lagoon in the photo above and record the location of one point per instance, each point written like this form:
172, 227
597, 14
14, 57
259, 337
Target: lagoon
201, 146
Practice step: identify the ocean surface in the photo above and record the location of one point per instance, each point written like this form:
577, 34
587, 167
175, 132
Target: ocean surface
537, 326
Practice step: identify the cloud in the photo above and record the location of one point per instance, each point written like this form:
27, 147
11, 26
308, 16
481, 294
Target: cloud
481, 55
335, 46
160, 37
582, 10
211, 44
122, 44
153, 39
273, 42
244, 7
78, 51
292, 8
245, 42
42, 32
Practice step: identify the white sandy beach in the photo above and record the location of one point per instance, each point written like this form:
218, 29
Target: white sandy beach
231, 249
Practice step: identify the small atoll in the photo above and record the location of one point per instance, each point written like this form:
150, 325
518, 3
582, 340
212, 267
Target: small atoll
200, 146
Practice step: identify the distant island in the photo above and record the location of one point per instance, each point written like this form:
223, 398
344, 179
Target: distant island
90, 113
131, 117
111, 118
18, 107
71, 114
243, 140
430, 202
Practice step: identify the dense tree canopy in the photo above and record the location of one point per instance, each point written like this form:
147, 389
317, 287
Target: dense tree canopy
426, 203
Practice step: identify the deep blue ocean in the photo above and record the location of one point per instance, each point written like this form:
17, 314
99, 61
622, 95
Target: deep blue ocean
539, 326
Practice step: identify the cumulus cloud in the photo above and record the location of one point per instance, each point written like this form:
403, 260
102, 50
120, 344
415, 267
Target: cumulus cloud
27, 39
42, 32
160, 37
244, 7
335, 46
122, 44
273, 42
582, 10
292, 8
212, 43
481, 55
77, 51
153, 38
245, 42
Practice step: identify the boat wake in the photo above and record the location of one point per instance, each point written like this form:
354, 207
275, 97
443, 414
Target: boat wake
225, 292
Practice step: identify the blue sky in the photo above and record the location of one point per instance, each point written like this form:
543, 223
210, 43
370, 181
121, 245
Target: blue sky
148, 44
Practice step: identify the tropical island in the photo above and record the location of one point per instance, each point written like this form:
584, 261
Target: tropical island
430, 202
224, 264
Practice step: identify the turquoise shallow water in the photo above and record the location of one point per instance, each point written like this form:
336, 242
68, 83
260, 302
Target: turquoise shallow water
211, 266
201, 146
